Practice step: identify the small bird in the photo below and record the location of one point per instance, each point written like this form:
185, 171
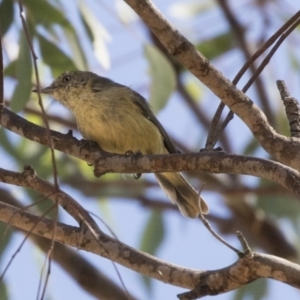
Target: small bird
119, 120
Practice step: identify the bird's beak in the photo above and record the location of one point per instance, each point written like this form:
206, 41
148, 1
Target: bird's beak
48, 90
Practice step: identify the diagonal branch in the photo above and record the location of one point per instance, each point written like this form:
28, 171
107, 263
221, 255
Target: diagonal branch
245, 270
178, 46
84, 272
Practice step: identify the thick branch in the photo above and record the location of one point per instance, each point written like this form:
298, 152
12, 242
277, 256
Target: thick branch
282, 148
30, 180
212, 162
244, 271
84, 272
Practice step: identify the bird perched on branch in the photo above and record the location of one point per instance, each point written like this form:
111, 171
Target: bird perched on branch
119, 120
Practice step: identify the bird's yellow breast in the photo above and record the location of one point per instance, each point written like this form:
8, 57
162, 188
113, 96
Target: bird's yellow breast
117, 125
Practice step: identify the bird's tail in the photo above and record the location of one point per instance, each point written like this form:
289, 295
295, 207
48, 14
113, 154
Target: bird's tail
181, 193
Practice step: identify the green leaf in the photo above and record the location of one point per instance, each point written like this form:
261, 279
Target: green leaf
190, 9
5, 238
78, 56
7, 144
10, 69
5, 230
99, 33
3, 291
152, 238
23, 74
86, 27
153, 233
162, 75
279, 206
255, 291
45, 14
55, 58
217, 46
48, 15
251, 146
6, 15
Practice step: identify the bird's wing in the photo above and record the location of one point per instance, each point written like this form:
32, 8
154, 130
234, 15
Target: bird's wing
147, 112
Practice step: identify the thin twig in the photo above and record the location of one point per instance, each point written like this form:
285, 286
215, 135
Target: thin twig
269, 56
283, 32
50, 250
113, 263
265, 46
56, 185
1, 75
244, 243
22, 243
209, 228
213, 128
34, 59
240, 34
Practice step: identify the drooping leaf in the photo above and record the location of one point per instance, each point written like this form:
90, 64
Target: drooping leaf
152, 238
23, 74
251, 146
8, 144
189, 9
5, 238
48, 15
217, 46
162, 75
44, 13
5, 231
100, 35
125, 13
55, 58
3, 291
194, 89
86, 27
10, 69
6, 15
278, 205
78, 56
256, 290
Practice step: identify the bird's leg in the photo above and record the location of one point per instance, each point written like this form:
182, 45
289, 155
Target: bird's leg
133, 155
87, 143
217, 149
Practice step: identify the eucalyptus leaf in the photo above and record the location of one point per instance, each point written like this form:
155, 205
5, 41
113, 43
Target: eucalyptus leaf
55, 58
44, 13
152, 237
99, 33
23, 74
5, 232
3, 291
162, 75
217, 46
10, 69
6, 15
254, 291
76, 48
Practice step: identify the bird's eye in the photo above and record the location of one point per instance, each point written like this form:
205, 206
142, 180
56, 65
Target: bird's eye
67, 78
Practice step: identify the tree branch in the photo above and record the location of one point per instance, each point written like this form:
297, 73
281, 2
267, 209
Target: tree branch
79, 268
212, 162
245, 270
178, 46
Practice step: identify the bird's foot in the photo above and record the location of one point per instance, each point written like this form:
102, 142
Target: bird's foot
134, 154
87, 143
217, 149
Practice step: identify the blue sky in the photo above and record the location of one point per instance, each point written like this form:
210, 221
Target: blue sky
187, 242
